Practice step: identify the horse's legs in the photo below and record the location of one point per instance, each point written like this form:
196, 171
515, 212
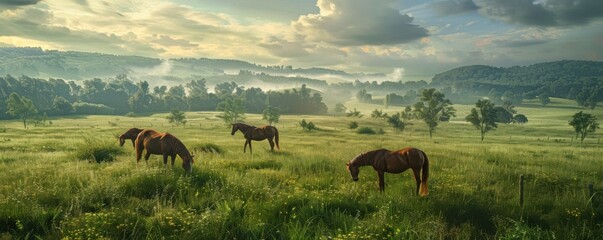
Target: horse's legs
381, 181
165, 158
146, 158
417, 174
245, 147
250, 151
271, 144
173, 159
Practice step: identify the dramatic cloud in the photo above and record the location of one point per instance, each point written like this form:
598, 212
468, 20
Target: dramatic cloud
358, 22
543, 13
451, 7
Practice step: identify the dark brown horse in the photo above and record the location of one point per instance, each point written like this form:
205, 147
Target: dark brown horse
162, 144
131, 134
384, 160
256, 134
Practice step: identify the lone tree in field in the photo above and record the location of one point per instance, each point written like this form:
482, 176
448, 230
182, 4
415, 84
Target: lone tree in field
339, 108
354, 113
483, 117
378, 114
234, 110
20, 106
583, 124
396, 122
178, 117
271, 114
433, 108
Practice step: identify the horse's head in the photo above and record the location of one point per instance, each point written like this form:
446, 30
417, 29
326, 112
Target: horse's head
187, 163
235, 127
353, 170
122, 140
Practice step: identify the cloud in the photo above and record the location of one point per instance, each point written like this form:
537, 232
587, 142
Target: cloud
542, 13
452, 7
35, 24
283, 48
518, 43
358, 22
16, 3
169, 41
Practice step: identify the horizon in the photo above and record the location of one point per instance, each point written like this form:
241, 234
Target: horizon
403, 39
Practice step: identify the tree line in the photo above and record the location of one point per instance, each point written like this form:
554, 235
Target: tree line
119, 95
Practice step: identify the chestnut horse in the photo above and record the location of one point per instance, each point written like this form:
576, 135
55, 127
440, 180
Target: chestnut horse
162, 144
256, 134
384, 160
131, 134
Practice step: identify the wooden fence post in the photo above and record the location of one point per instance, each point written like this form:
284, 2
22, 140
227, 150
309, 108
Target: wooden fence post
521, 190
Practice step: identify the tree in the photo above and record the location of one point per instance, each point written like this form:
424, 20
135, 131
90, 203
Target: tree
233, 110
159, 91
309, 126
20, 106
141, 100
407, 114
61, 106
339, 108
396, 122
583, 124
544, 99
176, 116
354, 113
353, 125
483, 117
271, 114
378, 114
433, 108
520, 119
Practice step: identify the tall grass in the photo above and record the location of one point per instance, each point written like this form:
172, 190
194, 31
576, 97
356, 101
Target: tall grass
98, 150
302, 191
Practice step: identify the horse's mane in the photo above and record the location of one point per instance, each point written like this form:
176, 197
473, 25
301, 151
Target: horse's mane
364, 157
177, 141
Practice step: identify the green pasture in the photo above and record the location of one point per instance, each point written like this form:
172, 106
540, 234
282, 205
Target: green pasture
303, 191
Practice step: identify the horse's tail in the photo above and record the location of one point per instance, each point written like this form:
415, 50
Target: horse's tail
276, 138
139, 146
424, 175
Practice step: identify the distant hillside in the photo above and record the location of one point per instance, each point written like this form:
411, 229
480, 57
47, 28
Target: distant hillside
532, 75
578, 80
35, 62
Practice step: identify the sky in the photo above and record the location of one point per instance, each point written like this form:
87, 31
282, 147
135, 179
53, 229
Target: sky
405, 39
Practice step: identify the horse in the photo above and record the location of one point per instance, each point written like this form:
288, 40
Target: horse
256, 134
162, 144
384, 160
131, 134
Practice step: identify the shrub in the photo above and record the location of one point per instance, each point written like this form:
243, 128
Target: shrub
365, 130
353, 125
208, 148
98, 150
92, 108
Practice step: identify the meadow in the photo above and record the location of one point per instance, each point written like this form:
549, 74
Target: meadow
303, 191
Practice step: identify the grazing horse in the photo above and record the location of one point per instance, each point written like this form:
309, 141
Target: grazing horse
162, 144
256, 134
131, 134
384, 160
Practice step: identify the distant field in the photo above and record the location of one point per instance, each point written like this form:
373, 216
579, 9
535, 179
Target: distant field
303, 191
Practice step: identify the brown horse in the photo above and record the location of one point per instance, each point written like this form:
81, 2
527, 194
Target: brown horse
384, 160
256, 134
162, 144
131, 134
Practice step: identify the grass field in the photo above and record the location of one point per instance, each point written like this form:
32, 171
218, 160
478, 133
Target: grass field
303, 191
